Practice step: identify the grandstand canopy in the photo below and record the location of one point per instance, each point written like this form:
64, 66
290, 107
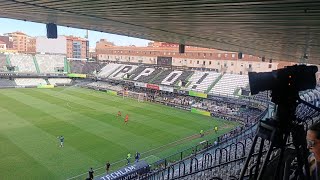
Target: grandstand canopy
278, 29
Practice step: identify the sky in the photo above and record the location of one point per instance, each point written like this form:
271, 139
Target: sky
38, 29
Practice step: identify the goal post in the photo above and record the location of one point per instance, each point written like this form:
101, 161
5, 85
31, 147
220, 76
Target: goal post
139, 96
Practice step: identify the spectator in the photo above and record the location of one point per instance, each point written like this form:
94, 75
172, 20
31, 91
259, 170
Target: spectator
313, 143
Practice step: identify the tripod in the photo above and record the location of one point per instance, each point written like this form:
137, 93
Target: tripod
277, 131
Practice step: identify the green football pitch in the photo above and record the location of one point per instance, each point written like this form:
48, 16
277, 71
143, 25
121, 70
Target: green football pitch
32, 119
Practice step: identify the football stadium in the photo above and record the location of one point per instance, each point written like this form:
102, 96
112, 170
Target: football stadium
181, 107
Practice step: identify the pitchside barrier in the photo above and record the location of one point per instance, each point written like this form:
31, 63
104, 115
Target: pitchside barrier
77, 75
113, 93
44, 86
128, 172
199, 111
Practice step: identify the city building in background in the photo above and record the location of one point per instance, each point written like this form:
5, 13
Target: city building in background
19, 40
7, 41
167, 54
92, 54
156, 53
3, 45
31, 45
51, 46
77, 48
73, 47
104, 43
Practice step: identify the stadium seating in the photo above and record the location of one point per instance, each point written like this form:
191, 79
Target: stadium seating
263, 96
104, 85
171, 78
201, 81
59, 81
136, 72
229, 83
30, 81
161, 76
184, 76
91, 67
108, 69
149, 78
2, 62
85, 67
121, 72
7, 83
76, 66
24, 63
49, 63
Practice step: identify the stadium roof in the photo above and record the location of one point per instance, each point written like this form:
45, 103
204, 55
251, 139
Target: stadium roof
278, 29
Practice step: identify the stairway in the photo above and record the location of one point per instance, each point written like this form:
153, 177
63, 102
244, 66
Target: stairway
8, 60
36, 64
66, 66
214, 83
48, 83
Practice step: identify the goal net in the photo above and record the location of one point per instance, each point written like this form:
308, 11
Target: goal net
139, 96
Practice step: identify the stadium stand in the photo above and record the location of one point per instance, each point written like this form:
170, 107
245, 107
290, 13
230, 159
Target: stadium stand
171, 78
229, 111
136, 72
149, 78
176, 77
121, 73
263, 96
229, 83
50, 63
59, 81
108, 69
104, 86
171, 99
30, 81
158, 79
2, 63
23, 63
91, 68
201, 81
7, 83
76, 66
184, 77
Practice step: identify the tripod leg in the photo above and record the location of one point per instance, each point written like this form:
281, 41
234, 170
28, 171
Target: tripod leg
259, 159
300, 145
243, 171
266, 160
281, 157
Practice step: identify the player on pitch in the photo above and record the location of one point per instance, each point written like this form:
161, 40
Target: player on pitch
126, 119
119, 114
